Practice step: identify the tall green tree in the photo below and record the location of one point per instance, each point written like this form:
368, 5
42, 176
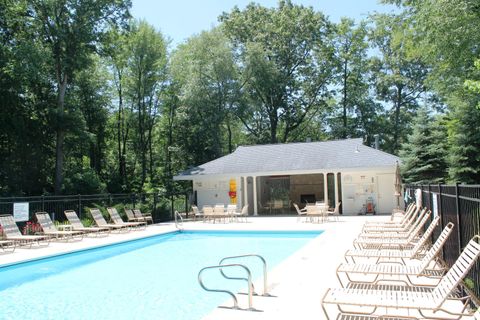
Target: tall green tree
351, 73
464, 138
424, 154
147, 75
285, 60
70, 32
203, 69
115, 51
446, 37
399, 77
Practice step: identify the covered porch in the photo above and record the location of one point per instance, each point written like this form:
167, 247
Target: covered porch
276, 194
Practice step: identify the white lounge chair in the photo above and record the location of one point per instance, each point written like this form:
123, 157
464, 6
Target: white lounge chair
395, 232
402, 304
406, 223
12, 233
415, 268
415, 252
102, 223
391, 242
50, 230
115, 217
77, 225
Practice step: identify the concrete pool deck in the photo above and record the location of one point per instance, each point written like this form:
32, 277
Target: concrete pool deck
297, 284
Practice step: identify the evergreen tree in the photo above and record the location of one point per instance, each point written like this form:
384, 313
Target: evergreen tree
464, 158
424, 155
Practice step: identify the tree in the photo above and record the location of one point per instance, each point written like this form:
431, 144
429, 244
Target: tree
446, 37
70, 32
285, 61
464, 139
424, 154
147, 75
204, 71
115, 51
351, 73
399, 77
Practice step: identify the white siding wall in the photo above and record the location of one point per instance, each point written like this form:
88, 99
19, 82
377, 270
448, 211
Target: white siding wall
358, 186
213, 191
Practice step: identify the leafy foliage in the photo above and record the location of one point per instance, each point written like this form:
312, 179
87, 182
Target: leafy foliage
424, 153
93, 101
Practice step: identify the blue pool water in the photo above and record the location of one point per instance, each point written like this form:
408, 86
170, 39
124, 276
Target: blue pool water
152, 278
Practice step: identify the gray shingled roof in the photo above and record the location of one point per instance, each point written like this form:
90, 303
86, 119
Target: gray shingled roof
293, 157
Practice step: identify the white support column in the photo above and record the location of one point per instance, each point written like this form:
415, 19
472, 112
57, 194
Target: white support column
336, 188
325, 191
245, 191
255, 202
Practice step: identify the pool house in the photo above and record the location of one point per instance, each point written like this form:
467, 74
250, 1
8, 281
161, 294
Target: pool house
271, 178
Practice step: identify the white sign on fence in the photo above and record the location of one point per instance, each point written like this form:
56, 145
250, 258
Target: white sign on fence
418, 197
434, 205
20, 211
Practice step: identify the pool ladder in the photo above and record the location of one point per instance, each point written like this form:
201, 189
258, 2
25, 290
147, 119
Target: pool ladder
251, 290
178, 220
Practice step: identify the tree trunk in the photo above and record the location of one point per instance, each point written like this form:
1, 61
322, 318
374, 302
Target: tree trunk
396, 134
273, 126
229, 130
345, 75
62, 87
120, 121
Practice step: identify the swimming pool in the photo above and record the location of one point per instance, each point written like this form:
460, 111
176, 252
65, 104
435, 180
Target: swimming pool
152, 278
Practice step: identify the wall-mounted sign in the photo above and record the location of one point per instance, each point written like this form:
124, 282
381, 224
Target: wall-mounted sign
434, 204
418, 197
20, 211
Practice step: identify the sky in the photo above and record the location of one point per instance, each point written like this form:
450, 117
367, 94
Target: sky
181, 19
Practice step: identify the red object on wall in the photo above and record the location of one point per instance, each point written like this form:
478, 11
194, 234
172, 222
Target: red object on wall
232, 194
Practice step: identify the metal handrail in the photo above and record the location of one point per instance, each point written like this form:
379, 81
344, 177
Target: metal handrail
265, 285
235, 301
178, 225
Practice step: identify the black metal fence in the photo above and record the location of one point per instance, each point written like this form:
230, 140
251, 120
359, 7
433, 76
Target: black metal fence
161, 206
459, 204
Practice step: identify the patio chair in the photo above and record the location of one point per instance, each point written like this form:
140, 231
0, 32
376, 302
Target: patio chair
131, 216
230, 212
335, 213
423, 267
208, 213
242, 215
50, 230
314, 213
301, 212
147, 216
77, 225
389, 303
219, 212
115, 217
391, 242
102, 223
197, 213
415, 252
12, 233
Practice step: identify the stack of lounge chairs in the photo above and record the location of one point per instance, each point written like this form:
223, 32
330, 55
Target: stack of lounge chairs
73, 229
393, 272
